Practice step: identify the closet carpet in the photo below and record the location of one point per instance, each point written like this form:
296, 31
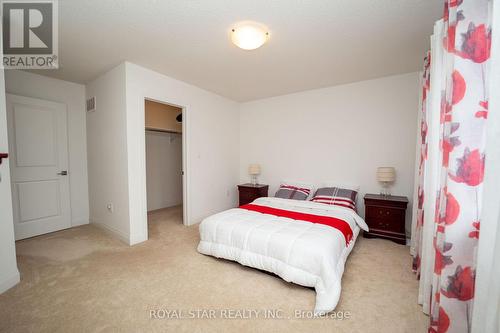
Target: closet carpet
83, 280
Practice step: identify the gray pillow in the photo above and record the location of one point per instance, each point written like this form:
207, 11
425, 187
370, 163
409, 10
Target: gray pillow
336, 196
292, 192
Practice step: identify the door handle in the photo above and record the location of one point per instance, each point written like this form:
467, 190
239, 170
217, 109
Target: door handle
63, 173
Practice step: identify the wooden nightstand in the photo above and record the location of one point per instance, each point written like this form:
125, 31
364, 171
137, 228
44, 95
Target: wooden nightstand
385, 216
250, 192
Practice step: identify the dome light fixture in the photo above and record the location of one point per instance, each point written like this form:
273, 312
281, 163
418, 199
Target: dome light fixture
249, 35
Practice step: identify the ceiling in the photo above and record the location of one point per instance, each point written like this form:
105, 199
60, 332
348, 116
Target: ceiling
313, 43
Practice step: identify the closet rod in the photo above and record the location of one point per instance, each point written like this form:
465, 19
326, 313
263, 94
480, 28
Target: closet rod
161, 131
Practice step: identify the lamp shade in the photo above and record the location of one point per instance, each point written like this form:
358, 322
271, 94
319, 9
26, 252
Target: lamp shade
386, 174
254, 169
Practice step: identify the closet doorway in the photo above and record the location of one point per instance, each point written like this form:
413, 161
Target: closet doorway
164, 163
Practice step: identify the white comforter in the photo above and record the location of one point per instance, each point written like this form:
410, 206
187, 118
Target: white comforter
305, 253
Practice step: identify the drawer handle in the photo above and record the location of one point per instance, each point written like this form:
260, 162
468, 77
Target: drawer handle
383, 225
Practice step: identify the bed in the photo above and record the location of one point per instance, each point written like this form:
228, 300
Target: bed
303, 242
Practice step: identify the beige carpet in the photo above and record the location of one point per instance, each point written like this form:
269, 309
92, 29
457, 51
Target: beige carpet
83, 280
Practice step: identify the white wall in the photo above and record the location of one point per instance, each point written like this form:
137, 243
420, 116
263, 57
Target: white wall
9, 274
117, 156
163, 169
212, 145
73, 96
340, 133
107, 153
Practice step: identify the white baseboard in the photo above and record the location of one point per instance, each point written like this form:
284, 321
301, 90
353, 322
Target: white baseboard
124, 237
131, 239
10, 281
196, 221
137, 238
79, 221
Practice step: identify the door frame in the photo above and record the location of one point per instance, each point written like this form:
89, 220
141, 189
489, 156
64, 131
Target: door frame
15, 201
185, 160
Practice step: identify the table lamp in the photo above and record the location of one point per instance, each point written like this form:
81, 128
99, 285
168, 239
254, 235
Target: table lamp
386, 175
254, 171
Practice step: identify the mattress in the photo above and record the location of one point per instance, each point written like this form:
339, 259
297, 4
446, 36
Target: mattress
302, 252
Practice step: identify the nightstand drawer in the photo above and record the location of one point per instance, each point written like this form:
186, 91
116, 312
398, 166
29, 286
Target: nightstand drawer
249, 192
385, 218
246, 197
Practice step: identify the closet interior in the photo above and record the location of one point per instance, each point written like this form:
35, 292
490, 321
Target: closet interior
163, 131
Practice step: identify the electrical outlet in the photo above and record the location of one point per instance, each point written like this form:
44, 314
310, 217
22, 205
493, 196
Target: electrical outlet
110, 207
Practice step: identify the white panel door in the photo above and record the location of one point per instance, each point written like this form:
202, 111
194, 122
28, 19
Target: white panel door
38, 152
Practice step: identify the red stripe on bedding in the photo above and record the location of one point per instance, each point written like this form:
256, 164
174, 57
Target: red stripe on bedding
343, 202
333, 222
325, 197
329, 202
333, 200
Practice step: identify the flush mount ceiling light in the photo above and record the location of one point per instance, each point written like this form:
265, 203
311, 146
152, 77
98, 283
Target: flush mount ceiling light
249, 35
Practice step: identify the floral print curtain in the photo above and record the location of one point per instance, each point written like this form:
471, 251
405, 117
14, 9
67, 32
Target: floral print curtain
419, 222
463, 115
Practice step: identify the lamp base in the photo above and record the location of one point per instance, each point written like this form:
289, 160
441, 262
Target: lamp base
384, 191
254, 180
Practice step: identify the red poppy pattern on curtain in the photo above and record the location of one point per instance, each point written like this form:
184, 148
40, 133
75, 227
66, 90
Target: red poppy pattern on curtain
463, 116
426, 79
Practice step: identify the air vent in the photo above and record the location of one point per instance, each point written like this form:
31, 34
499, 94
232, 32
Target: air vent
91, 104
